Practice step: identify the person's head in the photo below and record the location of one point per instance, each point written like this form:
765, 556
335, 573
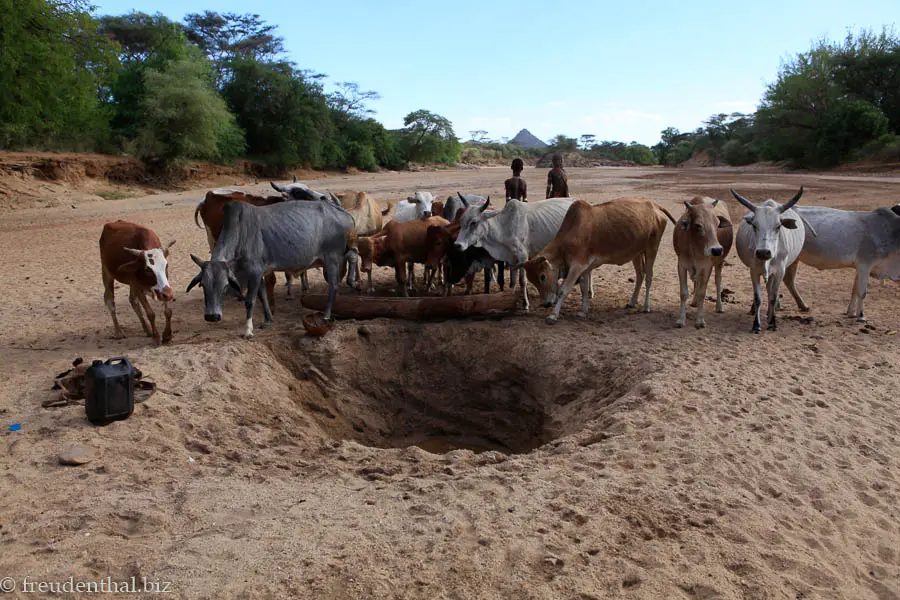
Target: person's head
556, 161
517, 166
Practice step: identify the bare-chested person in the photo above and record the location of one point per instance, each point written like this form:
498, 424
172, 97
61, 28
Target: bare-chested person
515, 186
557, 180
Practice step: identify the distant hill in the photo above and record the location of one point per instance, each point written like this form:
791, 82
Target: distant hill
527, 140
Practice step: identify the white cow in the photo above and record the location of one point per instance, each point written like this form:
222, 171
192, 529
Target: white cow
514, 234
866, 240
769, 239
414, 207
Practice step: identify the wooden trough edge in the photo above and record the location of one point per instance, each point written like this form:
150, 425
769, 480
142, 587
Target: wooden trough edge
417, 309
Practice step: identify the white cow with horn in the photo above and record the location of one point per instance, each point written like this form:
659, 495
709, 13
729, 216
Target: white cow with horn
769, 240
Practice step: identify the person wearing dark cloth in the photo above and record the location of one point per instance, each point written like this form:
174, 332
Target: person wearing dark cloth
557, 180
516, 188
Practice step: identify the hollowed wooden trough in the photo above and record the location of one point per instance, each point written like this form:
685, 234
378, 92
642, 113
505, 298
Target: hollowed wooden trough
416, 309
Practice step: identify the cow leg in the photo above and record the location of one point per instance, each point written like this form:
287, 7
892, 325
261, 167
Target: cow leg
411, 280
789, 281
501, 267
861, 285
135, 299
774, 285
304, 281
700, 283
649, 261
575, 272
264, 299
488, 273
151, 316
720, 308
685, 292
638, 263
585, 282
524, 284
167, 332
470, 282
400, 274
512, 278
334, 279
109, 298
757, 300
591, 288
253, 288
270, 291
289, 283
371, 287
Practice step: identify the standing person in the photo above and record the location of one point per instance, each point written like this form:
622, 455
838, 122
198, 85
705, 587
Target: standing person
557, 180
516, 188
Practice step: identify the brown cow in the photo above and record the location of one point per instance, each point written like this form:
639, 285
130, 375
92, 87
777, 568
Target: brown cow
702, 239
367, 214
210, 209
132, 254
400, 245
615, 232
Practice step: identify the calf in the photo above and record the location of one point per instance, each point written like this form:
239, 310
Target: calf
132, 254
615, 232
702, 239
868, 241
456, 264
769, 240
401, 245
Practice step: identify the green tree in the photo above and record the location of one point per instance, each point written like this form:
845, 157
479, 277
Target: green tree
183, 117
54, 68
563, 143
428, 137
639, 153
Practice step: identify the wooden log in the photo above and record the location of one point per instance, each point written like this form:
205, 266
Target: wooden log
417, 309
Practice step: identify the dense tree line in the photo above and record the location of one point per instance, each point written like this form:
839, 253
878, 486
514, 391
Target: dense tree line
837, 102
215, 87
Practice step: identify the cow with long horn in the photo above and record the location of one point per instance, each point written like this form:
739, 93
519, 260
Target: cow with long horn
769, 240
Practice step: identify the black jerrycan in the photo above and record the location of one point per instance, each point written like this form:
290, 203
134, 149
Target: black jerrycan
109, 390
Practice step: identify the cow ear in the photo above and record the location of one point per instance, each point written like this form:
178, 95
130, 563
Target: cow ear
749, 218
130, 268
789, 223
412, 199
723, 222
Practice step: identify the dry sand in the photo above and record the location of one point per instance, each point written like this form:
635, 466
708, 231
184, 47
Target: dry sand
624, 458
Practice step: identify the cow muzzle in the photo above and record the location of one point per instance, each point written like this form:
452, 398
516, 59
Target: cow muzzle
764, 254
716, 251
426, 214
164, 295
212, 318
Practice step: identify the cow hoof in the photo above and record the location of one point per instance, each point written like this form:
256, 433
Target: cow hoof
860, 319
700, 324
720, 309
167, 338
803, 309
119, 335
630, 306
265, 325
755, 330
679, 324
772, 327
247, 336
582, 315
551, 320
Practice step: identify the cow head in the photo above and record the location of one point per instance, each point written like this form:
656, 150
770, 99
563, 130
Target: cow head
545, 277
299, 191
473, 226
371, 251
702, 223
215, 277
767, 220
151, 269
423, 202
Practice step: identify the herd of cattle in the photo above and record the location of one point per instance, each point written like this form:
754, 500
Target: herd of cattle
554, 243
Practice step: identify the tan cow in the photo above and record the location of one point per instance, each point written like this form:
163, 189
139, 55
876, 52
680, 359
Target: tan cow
367, 214
702, 239
132, 254
612, 233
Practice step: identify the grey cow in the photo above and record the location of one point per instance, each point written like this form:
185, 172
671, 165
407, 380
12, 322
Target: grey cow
459, 203
768, 241
866, 240
281, 237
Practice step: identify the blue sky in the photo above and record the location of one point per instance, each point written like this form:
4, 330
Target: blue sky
619, 70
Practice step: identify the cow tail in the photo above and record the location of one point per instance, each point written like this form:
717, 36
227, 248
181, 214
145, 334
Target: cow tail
197, 212
668, 214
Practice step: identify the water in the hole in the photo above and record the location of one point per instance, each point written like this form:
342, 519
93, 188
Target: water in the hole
442, 445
